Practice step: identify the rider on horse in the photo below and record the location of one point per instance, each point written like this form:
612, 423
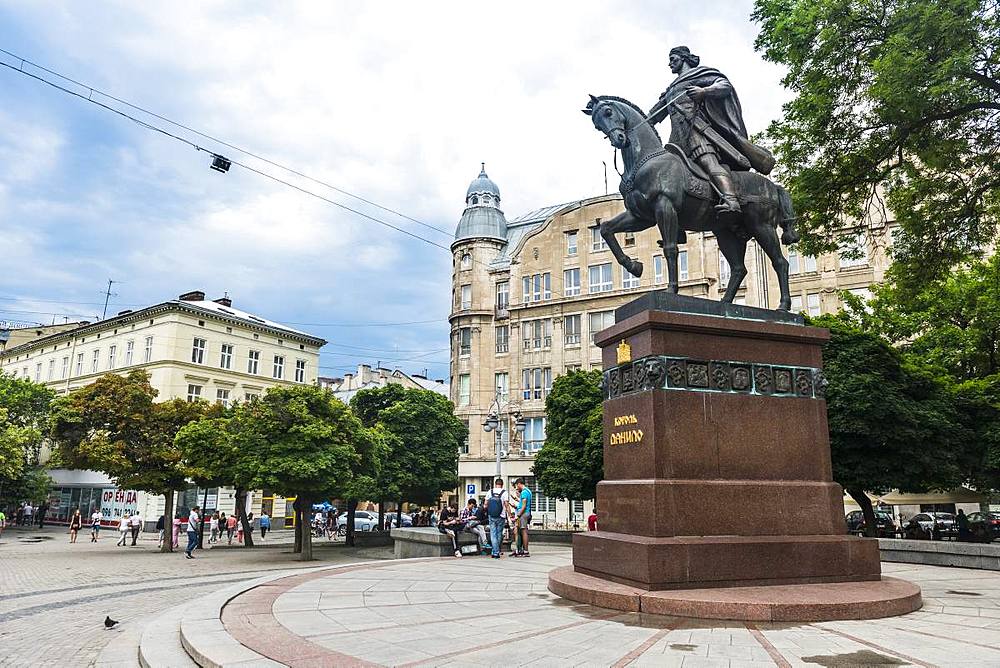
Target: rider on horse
706, 121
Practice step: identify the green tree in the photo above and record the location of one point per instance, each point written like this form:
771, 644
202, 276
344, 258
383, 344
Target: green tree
24, 413
900, 97
424, 437
893, 424
571, 462
115, 426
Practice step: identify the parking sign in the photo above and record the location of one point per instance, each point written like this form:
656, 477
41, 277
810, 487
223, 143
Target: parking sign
470, 489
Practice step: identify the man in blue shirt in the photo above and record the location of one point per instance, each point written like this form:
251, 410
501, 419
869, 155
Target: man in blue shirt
522, 517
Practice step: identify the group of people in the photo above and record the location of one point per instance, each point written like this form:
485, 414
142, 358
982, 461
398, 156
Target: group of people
500, 512
27, 515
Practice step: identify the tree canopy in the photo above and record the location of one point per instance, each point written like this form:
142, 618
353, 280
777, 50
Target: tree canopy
571, 462
24, 413
900, 97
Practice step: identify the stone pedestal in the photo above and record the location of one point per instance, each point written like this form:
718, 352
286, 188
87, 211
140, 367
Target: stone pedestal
717, 455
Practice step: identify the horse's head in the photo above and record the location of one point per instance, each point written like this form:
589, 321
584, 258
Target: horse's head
609, 117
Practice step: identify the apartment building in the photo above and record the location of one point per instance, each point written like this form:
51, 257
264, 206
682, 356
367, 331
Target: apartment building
530, 293
192, 348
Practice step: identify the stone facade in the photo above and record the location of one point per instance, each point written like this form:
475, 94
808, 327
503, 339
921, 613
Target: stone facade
529, 294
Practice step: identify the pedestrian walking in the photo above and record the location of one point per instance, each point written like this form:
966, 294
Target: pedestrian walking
213, 527
592, 520
3, 522
222, 524
123, 530
28, 515
161, 526
75, 524
265, 524
95, 525
175, 532
43, 510
962, 521
193, 521
522, 517
498, 514
135, 524
230, 527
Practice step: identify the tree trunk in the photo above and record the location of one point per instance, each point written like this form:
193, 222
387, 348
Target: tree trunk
399, 513
381, 515
305, 530
241, 515
297, 514
871, 524
352, 505
168, 522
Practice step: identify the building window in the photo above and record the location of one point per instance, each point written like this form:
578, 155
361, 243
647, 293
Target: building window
52, 369
253, 361
571, 330
724, 271
148, 353
629, 239
793, 261
628, 280
812, 301
536, 383
571, 282
463, 447
466, 261
809, 263
112, 350
194, 392
537, 287
682, 265
503, 294
198, 351
537, 333
466, 297
501, 381
534, 434
464, 389
279, 367
570, 368
853, 251
129, 350
571, 242
226, 356
96, 361
79, 365
503, 339
540, 502
65, 368
600, 321
796, 304
657, 269
600, 278
597, 242
465, 341
251, 396
300, 371
222, 397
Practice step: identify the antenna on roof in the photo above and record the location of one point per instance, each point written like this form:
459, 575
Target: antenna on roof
107, 297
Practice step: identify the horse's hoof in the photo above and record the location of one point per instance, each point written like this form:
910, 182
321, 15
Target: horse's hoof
635, 268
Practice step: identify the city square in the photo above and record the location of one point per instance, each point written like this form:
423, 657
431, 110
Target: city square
703, 369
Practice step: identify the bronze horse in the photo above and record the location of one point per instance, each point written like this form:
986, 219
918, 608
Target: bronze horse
661, 187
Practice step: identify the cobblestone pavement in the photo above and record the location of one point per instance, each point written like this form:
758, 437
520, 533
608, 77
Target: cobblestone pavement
54, 595
478, 612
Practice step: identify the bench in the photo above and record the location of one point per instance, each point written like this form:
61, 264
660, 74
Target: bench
413, 542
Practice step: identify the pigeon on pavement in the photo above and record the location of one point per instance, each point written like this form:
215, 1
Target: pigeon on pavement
108, 622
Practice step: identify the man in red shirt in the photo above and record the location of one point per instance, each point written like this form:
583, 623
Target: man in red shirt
592, 521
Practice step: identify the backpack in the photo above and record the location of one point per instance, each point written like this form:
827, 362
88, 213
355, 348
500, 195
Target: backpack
494, 505
481, 515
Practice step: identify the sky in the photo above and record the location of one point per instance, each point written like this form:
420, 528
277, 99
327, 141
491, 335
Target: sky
396, 102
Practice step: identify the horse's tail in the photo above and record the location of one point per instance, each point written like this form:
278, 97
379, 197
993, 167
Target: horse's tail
789, 235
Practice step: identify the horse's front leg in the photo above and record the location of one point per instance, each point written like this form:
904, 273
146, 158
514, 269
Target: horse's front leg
623, 222
666, 220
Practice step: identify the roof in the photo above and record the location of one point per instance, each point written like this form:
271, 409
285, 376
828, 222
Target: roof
481, 221
539, 215
482, 184
229, 311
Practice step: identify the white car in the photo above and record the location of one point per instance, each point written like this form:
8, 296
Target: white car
363, 520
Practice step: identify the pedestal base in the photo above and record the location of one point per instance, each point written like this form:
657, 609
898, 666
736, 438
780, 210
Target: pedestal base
887, 597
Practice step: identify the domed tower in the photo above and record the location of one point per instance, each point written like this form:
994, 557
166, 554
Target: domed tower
479, 297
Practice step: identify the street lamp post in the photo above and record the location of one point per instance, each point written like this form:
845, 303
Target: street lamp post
492, 423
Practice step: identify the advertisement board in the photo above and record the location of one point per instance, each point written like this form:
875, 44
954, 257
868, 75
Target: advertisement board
117, 502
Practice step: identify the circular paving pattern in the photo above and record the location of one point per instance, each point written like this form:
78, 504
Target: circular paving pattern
483, 612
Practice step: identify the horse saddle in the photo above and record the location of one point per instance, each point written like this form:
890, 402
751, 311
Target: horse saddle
750, 187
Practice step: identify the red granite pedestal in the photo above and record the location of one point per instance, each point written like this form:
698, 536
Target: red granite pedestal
717, 475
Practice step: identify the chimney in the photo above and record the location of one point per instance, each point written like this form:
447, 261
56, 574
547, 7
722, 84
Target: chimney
193, 296
125, 312
224, 300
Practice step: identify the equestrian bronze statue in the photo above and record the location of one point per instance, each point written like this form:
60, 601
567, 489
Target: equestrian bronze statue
701, 179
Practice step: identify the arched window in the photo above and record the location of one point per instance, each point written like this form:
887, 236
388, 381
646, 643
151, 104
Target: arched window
486, 199
475, 200
466, 261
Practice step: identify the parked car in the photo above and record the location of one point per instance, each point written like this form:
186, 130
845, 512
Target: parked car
406, 520
985, 527
363, 520
886, 525
931, 526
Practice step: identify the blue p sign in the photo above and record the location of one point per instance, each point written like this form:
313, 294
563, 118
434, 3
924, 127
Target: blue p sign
470, 489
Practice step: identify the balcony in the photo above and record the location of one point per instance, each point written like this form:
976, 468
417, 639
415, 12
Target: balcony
572, 339
502, 347
501, 312
465, 350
